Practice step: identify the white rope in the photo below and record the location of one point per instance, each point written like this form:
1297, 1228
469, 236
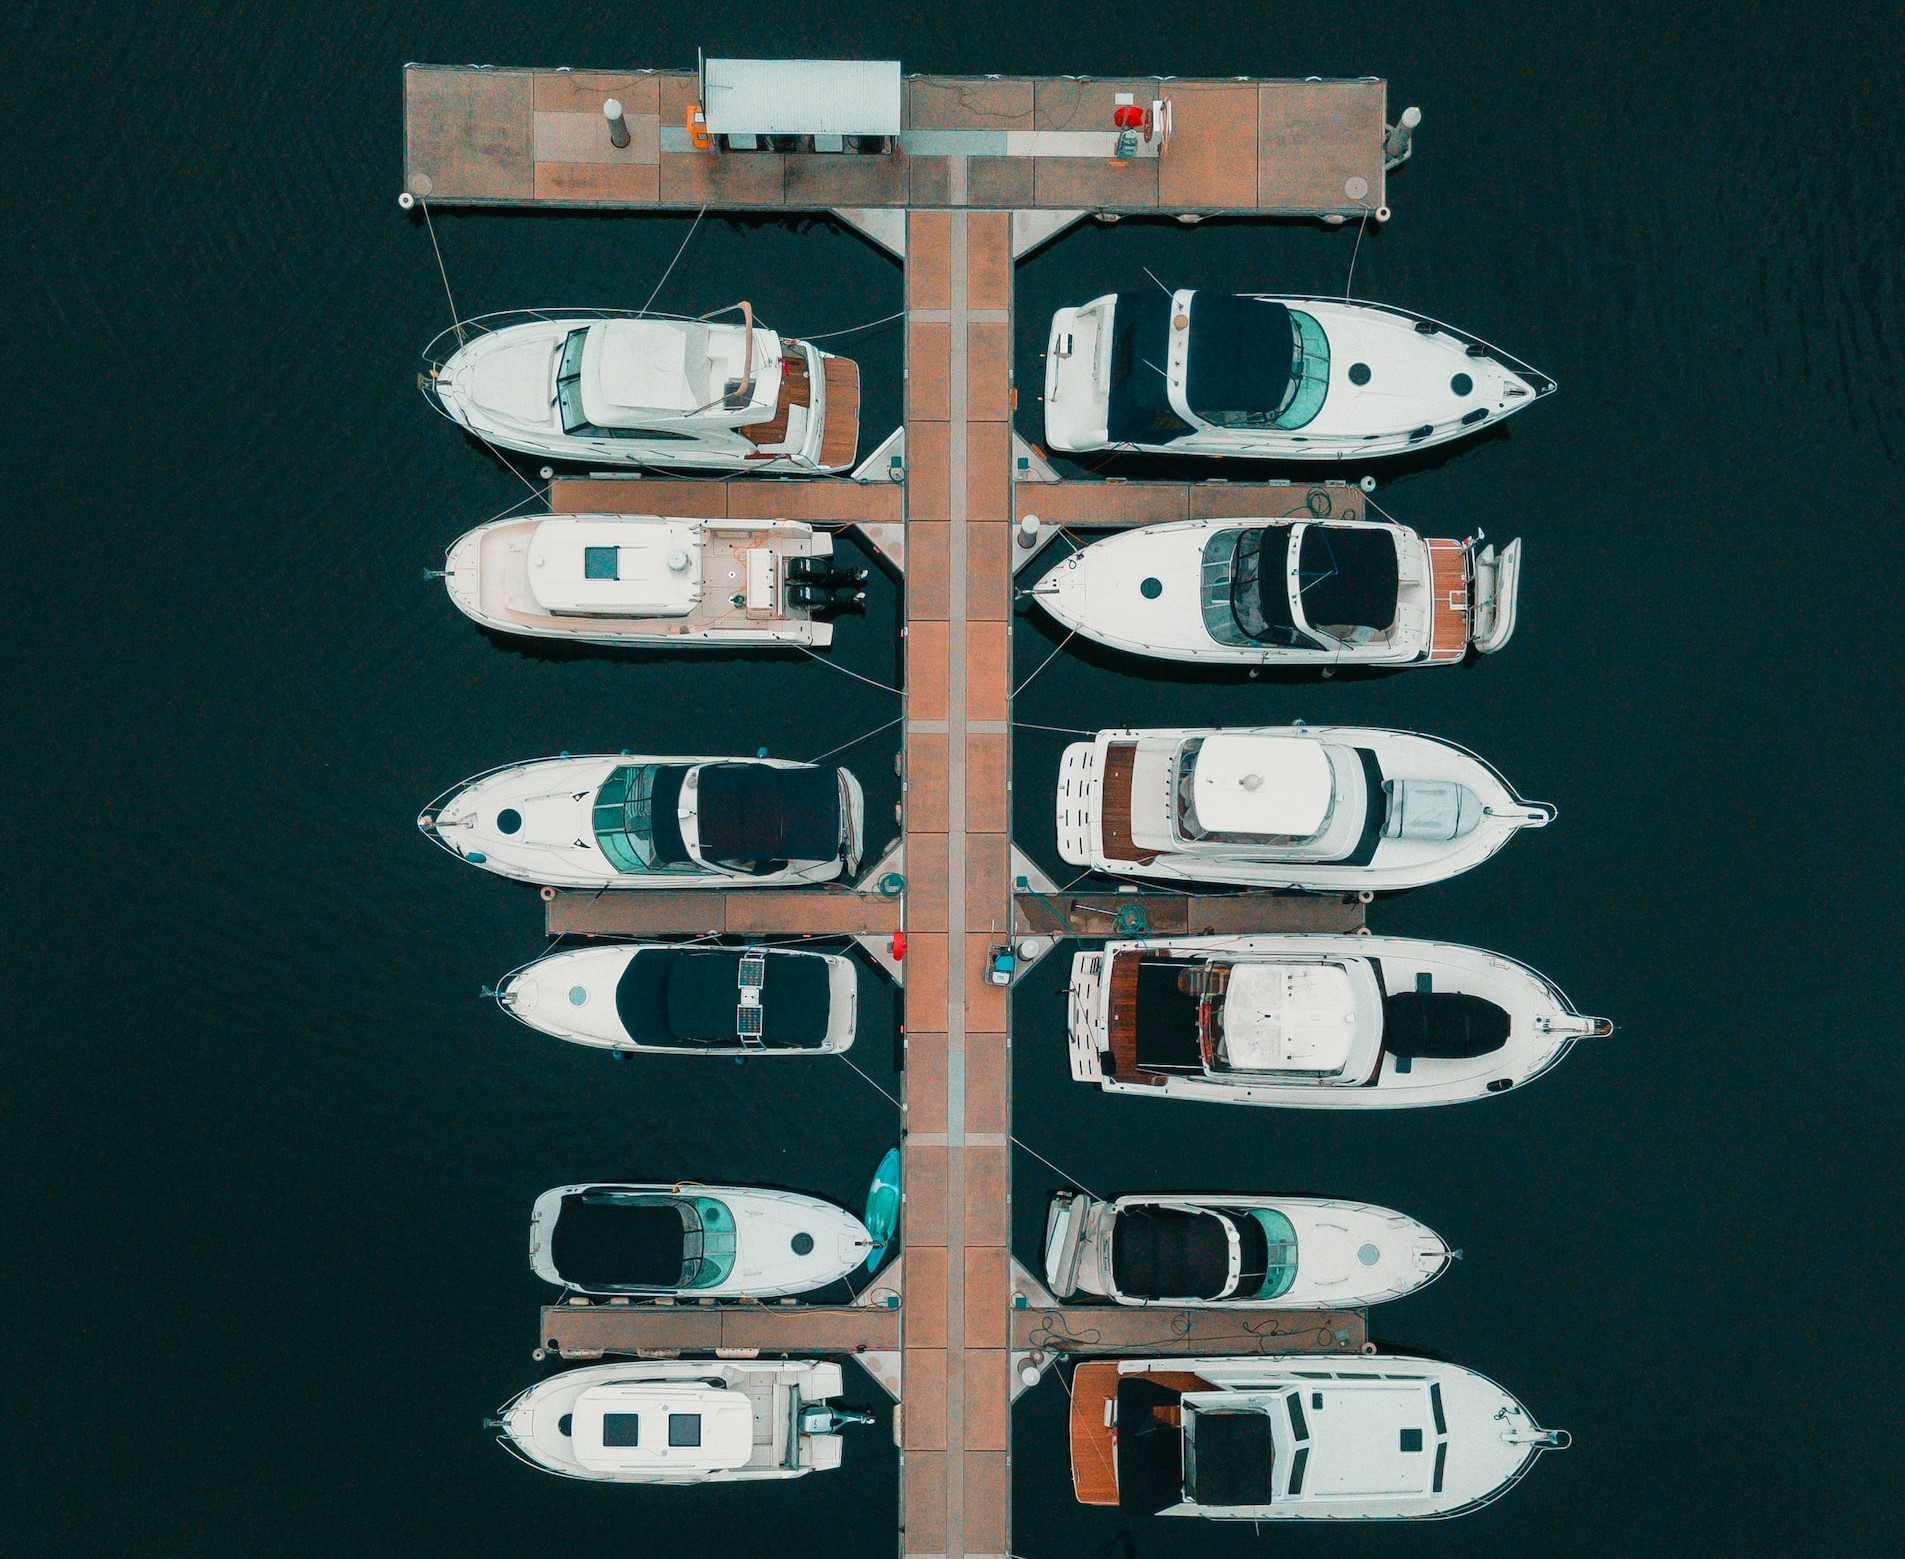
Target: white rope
677, 259
456, 322
835, 665
1063, 730
828, 335
863, 736
1361, 227
1044, 663
870, 1082
1057, 1171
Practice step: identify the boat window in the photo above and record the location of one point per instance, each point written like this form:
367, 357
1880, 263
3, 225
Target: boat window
621, 1428
1298, 1426
1441, 1461
1245, 590
708, 1253
1298, 1462
684, 1429
1280, 1264
1304, 393
1435, 1405
601, 562
634, 818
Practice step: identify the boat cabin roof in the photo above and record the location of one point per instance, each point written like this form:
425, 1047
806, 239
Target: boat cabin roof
1289, 1018
801, 97
662, 1426
637, 371
640, 566
1336, 1439
696, 996
1265, 785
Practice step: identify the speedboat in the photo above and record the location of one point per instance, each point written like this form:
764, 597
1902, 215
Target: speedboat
692, 1241
1254, 1252
1270, 378
681, 1420
1324, 808
1314, 1021
1292, 592
653, 581
643, 822
1297, 1437
662, 998
622, 389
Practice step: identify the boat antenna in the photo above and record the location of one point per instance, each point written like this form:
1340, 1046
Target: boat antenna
1350, 280
1154, 277
677, 259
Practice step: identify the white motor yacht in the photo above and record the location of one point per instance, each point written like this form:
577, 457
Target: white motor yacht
681, 1420
692, 1241
631, 821
1270, 378
611, 389
1323, 808
652, 581
1291, 592
1251, 1252
663, 998
1314, 1021
1297, 1437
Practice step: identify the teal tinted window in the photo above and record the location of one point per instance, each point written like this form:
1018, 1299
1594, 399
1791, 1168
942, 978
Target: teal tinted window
1281, 1271
601, 562
621, 1428
684, 1429
622, 814
710, 1246
569, 382
1312, 375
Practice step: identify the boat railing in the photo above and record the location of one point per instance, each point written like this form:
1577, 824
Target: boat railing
446, 342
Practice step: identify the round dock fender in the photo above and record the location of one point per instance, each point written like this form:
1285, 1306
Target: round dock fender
548, 895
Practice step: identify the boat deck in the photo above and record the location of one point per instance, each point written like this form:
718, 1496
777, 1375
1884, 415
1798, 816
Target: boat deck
486, 135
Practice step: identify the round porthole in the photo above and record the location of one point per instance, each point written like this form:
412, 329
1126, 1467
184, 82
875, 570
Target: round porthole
803, 1244
1359, 373
1461, 384
566, 1424
1151, 589
509, 821
578, 995
1369, 1255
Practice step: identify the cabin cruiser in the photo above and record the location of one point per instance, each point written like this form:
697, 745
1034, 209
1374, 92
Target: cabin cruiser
619, 389
681, 1420
1255, 1252
653, 581
1324, 808
1270, 378
663, 998
1288, 592
1297, 1437
1314, 1021
692, 1241
643, 822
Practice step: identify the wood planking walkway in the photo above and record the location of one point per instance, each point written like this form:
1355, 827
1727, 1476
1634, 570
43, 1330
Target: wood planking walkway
820, 500
956, 1375
715, 912
1158, 1331
1186, 914
481, 135
1120, 505
588, 1331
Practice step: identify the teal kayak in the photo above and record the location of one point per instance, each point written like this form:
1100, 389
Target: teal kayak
883, 1207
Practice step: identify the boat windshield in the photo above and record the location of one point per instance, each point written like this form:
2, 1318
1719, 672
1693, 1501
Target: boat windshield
569, 382
1245, 591
636, 819
1253, 363
1280, 1260
708, 1243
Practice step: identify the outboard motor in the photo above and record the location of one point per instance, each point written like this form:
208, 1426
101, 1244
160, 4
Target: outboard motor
824, 1418
827, 600
823, 572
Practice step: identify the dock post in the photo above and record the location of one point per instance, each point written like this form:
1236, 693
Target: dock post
1398, 141
618, 126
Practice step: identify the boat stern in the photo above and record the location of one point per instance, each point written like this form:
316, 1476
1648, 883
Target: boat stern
1078, 376
1076, 1227
1493, 594
1079, 797
1088, 1032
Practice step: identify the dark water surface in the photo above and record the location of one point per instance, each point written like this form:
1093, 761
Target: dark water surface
270, 1161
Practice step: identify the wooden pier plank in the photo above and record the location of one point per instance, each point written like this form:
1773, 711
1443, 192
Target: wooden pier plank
584, 1331
1161, 1331
705, 911
1094, 915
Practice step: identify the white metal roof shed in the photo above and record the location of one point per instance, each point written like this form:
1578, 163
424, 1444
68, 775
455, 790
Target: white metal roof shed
801, 97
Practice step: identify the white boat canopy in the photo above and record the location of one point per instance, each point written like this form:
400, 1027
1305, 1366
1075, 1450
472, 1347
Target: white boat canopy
1262, 785
801, 97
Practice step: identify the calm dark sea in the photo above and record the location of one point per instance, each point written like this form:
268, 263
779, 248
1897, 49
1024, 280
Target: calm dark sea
269, 1161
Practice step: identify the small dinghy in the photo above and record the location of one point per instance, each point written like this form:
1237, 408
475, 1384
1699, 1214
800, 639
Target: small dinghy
1281, 1252
1288, 592
652, 581
618, 389
681, 1421
645, 822
692, 1241
1322, 808
1297, 1437
1314, 1021
663, 998
1270, 378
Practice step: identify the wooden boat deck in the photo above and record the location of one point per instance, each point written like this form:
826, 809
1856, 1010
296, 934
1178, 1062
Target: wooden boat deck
840, 438
484, 135
1448, 633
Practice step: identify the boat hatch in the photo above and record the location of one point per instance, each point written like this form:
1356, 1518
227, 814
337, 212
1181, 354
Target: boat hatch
648, 568
635, 1425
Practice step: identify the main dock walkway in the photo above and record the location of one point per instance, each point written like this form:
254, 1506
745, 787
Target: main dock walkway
985, 168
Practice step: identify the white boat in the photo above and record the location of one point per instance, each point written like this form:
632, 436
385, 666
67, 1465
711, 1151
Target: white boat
665, 998
681, 1421
1248, 1252
1290, 592
1297, 1437
692, 1241
619, 389
631, 821
653, 581
1323, 808
1270, 377
1314, 1021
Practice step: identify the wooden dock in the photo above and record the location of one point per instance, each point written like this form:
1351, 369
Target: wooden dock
484, 135
983, 169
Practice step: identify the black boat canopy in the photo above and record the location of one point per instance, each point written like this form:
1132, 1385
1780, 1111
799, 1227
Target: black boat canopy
603, 1241
1170, 1253
1347, 576
758, 817
1139, 410
1242, 354
689, 996
1230, 1459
